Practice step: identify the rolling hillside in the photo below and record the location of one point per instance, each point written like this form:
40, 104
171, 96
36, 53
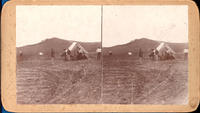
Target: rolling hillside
145, 44
57, 44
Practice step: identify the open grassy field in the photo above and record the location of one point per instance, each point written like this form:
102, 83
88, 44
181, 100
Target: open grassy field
130, 81
41, 82
120, 81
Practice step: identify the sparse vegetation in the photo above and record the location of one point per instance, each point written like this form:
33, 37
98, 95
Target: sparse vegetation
125, 81
40, 81
119, 79
129, 81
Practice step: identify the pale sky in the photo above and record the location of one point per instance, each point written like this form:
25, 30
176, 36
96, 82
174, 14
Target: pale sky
36, 23
164, 23
121, 24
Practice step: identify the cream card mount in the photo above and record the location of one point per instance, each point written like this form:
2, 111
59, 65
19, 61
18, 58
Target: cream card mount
100, 56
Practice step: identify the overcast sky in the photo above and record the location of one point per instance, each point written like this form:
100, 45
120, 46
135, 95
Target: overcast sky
36, 23
125, 23
121, 24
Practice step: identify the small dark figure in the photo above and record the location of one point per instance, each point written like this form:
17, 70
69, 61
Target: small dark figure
98, 53
84, 56
20, 55
52, 55
79, 54
67, 54
64, 54
151, 55
156, 55
140, 53
110, 53
185, 56
185, 51
167, 56
156, 52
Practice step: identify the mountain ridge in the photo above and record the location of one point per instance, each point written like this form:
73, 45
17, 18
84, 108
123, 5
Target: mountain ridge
58, 46
145, 44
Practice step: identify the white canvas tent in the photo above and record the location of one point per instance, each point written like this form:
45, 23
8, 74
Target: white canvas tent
165, 51
164, 47
74, 47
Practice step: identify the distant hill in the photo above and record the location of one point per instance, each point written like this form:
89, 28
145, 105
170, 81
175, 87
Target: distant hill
145, 44
58, 46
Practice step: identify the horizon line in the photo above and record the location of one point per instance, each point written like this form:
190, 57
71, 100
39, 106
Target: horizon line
96, 42
59, 39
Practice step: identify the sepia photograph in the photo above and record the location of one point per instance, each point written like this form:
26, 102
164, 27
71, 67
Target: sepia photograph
102, 54
58, 54
145, 52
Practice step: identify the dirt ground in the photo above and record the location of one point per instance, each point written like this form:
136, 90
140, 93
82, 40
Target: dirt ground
71, 82
120, 81
130, 81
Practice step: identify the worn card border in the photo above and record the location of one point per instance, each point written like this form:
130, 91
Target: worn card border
8, 65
